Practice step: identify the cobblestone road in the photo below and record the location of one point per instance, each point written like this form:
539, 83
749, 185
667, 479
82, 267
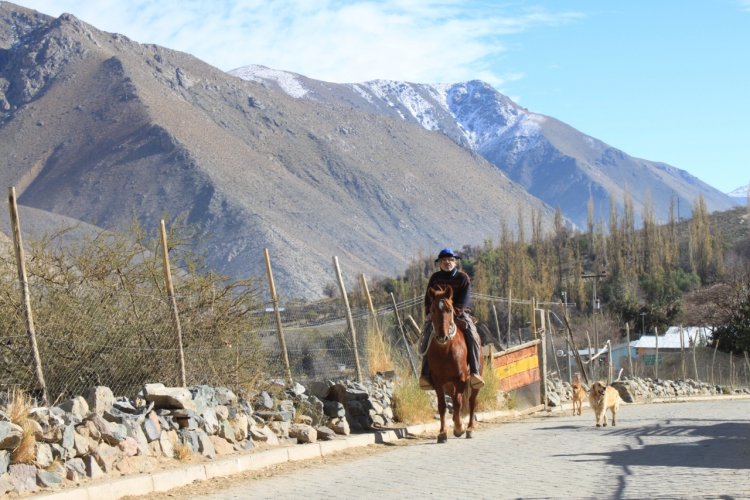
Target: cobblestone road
675, 450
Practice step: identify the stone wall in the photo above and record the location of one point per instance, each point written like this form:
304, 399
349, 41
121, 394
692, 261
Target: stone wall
95, 434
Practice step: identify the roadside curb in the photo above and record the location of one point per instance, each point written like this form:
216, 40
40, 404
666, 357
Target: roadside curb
168, 479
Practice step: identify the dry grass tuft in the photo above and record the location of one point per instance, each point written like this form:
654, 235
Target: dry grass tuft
410, 403
183, 452
379, 357
490, 398
19, 406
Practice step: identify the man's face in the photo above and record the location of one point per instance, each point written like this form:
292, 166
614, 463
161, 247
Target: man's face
447, 263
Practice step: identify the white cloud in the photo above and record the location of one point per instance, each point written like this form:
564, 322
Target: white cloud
429, 41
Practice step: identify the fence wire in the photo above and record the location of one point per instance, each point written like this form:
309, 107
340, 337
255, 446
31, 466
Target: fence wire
123, 339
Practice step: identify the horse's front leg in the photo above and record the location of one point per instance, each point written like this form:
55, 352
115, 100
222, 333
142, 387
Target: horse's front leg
458, 398
472, 407
443, 434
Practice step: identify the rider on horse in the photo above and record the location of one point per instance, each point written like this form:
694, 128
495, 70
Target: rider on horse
459, 281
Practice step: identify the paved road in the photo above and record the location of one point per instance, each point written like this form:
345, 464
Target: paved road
675, 450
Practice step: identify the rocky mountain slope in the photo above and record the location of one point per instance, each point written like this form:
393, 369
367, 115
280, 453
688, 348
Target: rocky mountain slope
553, 161
97, 128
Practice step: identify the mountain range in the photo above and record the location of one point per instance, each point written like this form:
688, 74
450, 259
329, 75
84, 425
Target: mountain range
100, 129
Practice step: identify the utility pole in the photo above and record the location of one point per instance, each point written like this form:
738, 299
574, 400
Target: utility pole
595, 303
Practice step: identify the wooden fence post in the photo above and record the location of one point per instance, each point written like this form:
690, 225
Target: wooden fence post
510, 300
497, 325
543, 387
277, 314
656, 357
403, 335
25, 294
576, 354
682, 353
173, 301
630, 355
349, 318
370, 307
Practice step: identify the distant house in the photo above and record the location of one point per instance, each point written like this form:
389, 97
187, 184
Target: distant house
646, 346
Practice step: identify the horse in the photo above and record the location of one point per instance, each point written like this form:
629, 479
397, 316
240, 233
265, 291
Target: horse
447, 360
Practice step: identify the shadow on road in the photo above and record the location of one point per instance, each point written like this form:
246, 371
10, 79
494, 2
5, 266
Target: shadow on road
726, 445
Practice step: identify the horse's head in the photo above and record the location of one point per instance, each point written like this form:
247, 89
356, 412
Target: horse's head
441, 311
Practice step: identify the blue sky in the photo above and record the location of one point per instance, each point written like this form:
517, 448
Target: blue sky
664, 80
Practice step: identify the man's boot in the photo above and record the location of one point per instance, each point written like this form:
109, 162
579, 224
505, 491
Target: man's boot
471, 337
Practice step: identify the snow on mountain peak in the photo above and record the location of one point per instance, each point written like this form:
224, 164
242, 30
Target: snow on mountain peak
395, 93
740, 192
288, 82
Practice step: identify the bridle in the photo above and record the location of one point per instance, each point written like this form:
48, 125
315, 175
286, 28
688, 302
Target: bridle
442, 340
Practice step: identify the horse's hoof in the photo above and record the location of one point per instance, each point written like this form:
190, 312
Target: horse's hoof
458, 433
468, 435
442, 438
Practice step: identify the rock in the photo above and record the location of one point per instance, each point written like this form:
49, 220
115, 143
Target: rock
134, 430
222, 446
210, 421
136, 465
128, 447
152, 427
320, 389
10, 435
206, 445
43, 455
78, 406
4, 461
265, 401
239, 423
167, 440
6, 484
99, 399
107, 456
325, 433
225, 396
23, 477
281, 429
168, 397
92, 467
49, 479
303, 433
340, 426
75, 469
264, 435
334, 409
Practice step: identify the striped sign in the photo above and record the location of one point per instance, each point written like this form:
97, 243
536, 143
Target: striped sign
517, 369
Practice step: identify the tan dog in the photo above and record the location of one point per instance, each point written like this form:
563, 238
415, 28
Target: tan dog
602, 398
579, 393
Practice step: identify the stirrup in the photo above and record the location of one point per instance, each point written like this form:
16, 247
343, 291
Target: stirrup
476, 381
425, 384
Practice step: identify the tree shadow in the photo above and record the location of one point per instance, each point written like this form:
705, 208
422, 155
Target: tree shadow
726, 445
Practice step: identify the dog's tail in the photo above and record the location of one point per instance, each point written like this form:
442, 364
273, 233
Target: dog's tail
623, 390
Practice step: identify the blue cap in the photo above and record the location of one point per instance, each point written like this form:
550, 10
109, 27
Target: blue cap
446, 252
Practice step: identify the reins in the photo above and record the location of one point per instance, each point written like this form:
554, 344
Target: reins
452, 329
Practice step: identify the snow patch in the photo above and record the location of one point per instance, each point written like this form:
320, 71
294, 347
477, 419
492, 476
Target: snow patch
405, 94
288, 82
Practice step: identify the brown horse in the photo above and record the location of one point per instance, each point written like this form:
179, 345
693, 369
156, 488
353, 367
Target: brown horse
447, 360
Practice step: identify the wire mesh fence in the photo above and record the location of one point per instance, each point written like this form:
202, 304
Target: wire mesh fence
124, 338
